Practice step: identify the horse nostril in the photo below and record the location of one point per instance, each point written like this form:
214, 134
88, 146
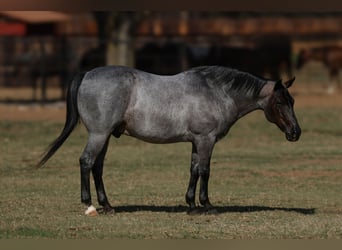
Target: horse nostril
296, 133
295, 136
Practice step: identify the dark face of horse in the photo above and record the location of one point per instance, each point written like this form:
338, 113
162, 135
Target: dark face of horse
279, 110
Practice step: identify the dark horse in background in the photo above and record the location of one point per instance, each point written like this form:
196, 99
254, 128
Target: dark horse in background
269, 56
330, 56
39, 64
37, 67
199, 106
93, 58
163, 58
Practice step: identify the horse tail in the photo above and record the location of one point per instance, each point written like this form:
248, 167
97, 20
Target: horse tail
72, 118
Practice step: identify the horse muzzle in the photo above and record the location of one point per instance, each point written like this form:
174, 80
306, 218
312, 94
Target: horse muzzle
293, 135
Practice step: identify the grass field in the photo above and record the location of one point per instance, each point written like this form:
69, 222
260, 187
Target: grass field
264, 187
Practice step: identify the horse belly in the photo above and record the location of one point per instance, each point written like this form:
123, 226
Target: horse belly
156, 127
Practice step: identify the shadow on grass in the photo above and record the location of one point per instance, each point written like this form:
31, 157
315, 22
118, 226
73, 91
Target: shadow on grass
219, 209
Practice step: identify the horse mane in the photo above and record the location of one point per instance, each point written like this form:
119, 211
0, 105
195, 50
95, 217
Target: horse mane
232, 80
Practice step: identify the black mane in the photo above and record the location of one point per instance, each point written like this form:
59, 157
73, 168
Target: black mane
233, 80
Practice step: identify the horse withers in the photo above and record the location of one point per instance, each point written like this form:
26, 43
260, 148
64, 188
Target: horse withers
199, 106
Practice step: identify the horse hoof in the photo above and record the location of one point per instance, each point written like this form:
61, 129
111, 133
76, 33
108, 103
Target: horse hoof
108, 210
91, 211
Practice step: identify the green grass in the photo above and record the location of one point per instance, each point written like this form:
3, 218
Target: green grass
264, 187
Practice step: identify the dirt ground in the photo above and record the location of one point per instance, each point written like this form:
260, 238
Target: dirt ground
12, 110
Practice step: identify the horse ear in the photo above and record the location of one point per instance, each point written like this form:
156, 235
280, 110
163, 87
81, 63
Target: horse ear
278, 85
289, 83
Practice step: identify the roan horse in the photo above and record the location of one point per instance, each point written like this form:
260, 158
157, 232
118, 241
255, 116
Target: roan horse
198, 106
330, 56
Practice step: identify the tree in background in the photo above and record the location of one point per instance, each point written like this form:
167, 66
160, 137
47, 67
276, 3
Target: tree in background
115, 39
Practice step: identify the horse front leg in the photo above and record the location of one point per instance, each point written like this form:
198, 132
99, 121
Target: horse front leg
204, 173
203, 151
194, 175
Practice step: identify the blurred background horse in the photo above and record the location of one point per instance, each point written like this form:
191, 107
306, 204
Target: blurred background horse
162, 43
330, 56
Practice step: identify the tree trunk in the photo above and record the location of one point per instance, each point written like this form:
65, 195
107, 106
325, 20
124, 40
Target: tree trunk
120, 48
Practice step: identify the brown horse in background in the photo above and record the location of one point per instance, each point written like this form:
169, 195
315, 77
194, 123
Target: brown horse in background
330, 56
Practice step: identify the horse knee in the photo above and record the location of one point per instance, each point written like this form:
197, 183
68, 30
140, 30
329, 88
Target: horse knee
86, 162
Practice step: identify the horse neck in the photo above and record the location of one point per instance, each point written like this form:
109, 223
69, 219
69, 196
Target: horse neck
245, 108
247, 104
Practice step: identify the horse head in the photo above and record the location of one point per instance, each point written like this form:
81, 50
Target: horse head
279, 110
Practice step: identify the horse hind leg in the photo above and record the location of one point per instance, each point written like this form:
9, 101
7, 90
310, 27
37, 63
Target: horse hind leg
93, 153
97, 171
